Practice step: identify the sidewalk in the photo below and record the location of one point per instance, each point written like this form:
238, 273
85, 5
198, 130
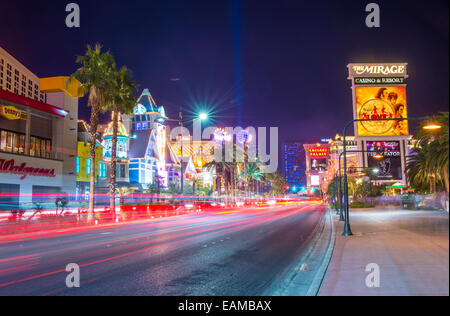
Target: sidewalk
410, 247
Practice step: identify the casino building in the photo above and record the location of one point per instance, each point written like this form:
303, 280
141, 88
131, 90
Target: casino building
317, 156
143, 151
38, 134
380, 144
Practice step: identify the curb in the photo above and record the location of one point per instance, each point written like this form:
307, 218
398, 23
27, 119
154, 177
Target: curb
300, 280
320, 275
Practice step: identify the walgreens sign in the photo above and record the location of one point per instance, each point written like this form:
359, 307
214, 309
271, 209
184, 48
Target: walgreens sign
9, 166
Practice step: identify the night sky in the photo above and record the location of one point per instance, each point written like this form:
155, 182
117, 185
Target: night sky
261, 63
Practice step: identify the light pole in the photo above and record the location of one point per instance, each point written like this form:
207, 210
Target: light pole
347, 231
202, 117
341, 212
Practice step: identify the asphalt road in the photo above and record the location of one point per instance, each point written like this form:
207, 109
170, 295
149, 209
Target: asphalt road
238, 252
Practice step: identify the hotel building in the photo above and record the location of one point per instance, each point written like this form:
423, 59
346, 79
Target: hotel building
38, 134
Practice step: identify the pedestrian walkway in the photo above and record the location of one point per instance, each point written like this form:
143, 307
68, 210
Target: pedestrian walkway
411, 249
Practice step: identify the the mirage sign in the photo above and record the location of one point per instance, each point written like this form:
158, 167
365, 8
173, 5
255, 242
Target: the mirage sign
377, 70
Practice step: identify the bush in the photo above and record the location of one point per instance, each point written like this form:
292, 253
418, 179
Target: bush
357, 204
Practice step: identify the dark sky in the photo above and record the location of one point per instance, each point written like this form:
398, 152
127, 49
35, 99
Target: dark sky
283, 61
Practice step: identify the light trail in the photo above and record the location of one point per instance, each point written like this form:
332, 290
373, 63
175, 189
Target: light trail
165, 241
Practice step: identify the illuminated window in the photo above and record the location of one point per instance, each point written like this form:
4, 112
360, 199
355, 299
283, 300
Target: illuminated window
78, 165
122, 170
88, 166
12, 142
138, 126
102, 170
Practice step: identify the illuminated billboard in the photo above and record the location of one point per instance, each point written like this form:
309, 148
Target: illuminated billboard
315, 180
390, 166
318, 152
381, 103
319, 164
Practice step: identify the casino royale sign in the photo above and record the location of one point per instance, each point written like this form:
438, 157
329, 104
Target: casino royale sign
9, 166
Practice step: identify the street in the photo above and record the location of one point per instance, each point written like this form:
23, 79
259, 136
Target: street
237, 252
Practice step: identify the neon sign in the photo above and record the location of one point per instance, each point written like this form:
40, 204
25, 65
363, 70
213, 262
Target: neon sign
379, 69
11, 113
8, 166
318, 152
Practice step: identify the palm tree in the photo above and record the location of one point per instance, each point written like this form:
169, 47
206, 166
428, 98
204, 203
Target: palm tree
253, 175
223, 167
430, 159
122, 100
124, 191
94, 75
277, 182
417, 169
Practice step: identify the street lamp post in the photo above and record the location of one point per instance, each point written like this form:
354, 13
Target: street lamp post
335, 194
347, 231
341, 213
181, 161
202, 117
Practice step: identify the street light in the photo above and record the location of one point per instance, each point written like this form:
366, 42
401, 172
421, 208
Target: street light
432, 126
347, 231
378, 156
203, 116
341, 208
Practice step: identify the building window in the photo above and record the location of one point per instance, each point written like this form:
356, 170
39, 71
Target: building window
138, 126
102, 170
12, 142
88, 166
122, 170
78, 165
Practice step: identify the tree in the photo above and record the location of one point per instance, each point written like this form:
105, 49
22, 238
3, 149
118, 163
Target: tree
174, 188
221, 168
121, 99
277, 182
253, 175
124, 191
429, 162
94, 75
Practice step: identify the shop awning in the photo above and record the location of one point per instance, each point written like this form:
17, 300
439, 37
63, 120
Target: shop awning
31, 103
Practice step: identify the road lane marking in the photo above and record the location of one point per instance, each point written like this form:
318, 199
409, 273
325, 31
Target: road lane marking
228, 212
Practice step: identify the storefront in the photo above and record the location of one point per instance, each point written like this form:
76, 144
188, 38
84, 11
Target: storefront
30, 168
38, 135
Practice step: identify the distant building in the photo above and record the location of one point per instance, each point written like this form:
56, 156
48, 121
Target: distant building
294, 164
150, 155
83, 163
16, 78
317, 156
122, 173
